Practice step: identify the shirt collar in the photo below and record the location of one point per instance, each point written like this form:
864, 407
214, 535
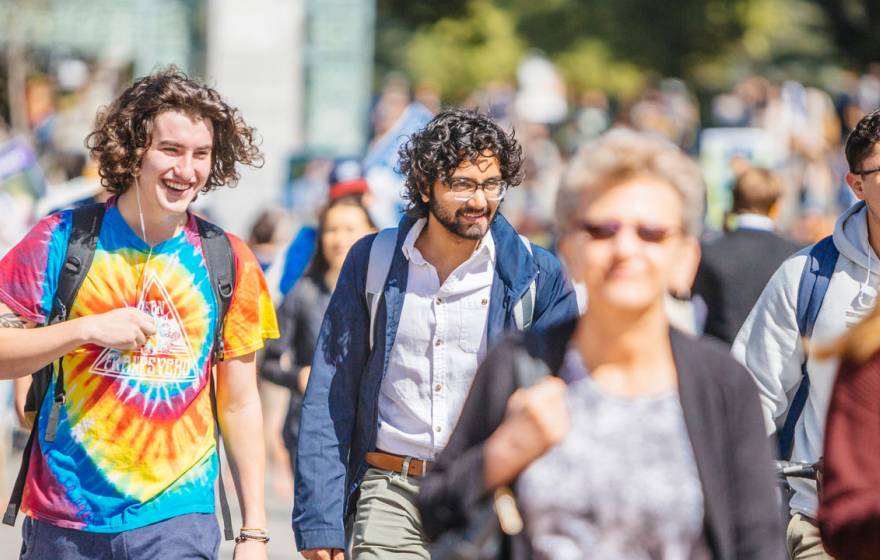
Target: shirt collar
485, 247
755, 221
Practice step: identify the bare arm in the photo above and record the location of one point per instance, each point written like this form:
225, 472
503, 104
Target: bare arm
25, 348
241, 422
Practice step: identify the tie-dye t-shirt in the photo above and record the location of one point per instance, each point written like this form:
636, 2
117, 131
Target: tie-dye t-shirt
135, 441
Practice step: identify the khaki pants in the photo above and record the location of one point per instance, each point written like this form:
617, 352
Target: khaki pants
802, 537
387, 523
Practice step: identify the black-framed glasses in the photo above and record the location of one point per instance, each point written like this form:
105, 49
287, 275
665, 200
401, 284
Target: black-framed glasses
868, 171
463, 189
610, 228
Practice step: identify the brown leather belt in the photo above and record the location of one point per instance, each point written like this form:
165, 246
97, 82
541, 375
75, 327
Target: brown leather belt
392, 462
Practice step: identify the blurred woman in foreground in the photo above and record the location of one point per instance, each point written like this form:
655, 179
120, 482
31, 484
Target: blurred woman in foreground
644, 443
288, 359
849, 503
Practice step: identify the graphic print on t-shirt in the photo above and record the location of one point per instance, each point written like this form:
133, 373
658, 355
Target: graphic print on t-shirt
167, 355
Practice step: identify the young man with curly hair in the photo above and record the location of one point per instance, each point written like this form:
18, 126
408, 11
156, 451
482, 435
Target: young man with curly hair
127, 466
381, 404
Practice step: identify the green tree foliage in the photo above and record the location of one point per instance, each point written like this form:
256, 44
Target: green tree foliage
854, 27
459, 54
619, 45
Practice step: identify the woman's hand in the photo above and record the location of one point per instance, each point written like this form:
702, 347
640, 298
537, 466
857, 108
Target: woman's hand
536, 419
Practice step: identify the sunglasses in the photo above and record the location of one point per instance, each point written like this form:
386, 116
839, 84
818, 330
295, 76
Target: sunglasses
610, 228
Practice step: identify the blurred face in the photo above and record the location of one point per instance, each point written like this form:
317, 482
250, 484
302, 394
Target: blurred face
468, 219
177, 164
343, 225
628, 246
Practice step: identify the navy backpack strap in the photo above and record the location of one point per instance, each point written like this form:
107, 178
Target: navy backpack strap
81, 245
220, 262
815, 278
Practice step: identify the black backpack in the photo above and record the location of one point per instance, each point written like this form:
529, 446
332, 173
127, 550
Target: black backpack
81, 246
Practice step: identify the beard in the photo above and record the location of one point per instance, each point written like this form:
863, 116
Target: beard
454, 222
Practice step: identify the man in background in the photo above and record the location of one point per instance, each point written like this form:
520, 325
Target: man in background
736, 266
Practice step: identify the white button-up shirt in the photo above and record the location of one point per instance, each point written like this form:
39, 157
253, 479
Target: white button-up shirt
440, 341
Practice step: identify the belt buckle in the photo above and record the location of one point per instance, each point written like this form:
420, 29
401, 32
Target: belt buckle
404, 471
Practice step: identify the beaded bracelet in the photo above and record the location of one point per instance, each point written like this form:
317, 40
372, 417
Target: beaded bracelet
252, 534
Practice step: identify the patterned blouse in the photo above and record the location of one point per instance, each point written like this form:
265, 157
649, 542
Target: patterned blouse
622, 485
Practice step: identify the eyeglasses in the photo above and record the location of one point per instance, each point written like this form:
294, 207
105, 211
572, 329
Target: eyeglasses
463, 189
608, 229
868, 171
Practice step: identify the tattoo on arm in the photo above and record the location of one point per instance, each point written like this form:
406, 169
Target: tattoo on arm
12, 321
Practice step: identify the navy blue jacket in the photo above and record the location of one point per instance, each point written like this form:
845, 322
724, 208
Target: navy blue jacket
340, 412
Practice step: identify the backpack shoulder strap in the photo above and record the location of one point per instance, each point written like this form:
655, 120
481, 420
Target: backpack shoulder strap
84, 231
524, 310
81, 245
527, 369
220, 262
815, 278
381, 254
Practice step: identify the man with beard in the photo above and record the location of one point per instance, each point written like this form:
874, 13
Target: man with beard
387, 385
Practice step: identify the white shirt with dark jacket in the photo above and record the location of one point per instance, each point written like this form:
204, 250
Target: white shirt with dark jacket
439, 344
770, 346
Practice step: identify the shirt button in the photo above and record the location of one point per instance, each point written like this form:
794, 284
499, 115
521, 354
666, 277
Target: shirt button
438, 342
439, 300
438, 387
438, 429
485, 301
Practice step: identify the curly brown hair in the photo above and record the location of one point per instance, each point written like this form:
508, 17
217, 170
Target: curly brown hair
123, 130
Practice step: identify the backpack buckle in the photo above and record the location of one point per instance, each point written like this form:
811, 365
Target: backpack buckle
225, 289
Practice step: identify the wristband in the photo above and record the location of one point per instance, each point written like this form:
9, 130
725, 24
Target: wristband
252, 534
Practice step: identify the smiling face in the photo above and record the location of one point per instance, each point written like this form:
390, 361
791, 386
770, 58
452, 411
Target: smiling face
638, 248
469, 219
176, 165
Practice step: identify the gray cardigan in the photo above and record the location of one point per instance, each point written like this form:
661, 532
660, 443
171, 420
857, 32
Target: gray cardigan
723, 420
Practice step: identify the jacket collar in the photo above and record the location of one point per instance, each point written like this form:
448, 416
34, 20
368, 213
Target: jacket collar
514, 265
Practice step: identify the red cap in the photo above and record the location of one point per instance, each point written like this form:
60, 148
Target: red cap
345, 188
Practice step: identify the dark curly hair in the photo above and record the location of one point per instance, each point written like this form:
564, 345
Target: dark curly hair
451, 138
861, 140
123, 130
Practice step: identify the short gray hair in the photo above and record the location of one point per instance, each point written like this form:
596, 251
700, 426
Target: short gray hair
622, 154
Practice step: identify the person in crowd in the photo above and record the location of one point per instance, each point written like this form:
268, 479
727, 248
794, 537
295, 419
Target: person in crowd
728, 288
770, 344
288, 359
640, 442
292, 260
264, 236
849, 503
126, 460
386, 387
